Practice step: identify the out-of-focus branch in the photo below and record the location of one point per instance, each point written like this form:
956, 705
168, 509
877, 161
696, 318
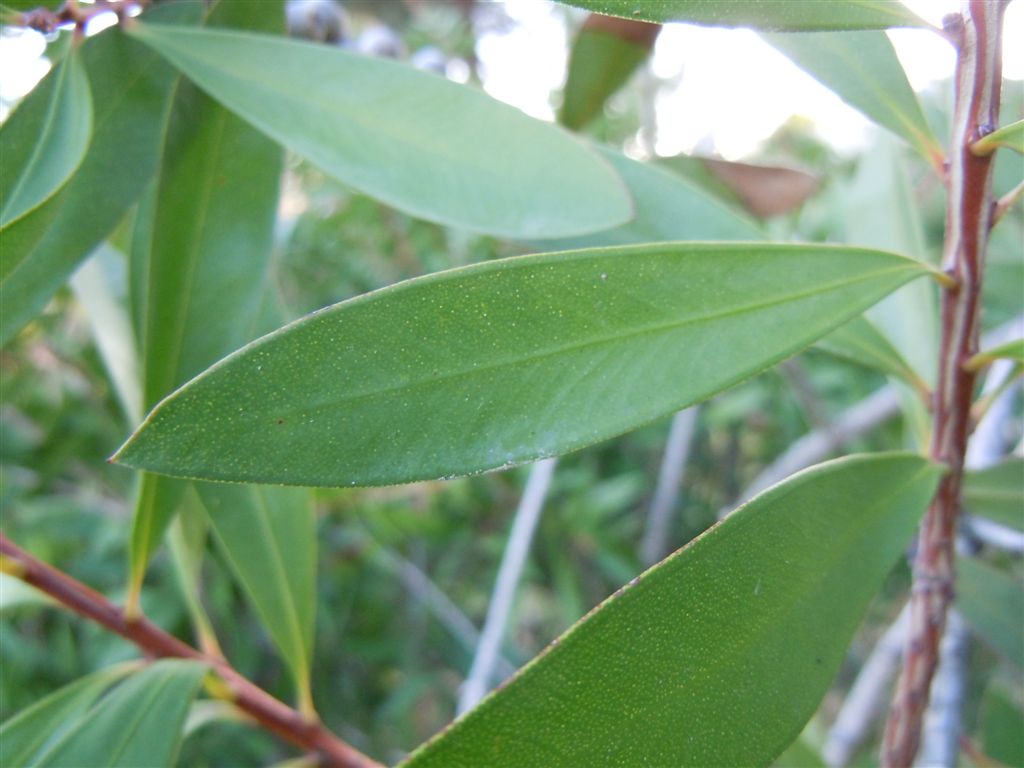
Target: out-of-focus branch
450, 616
940, 734
654, 545
478, 682
868, 696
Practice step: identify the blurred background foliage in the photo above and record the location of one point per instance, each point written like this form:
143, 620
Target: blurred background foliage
387, 668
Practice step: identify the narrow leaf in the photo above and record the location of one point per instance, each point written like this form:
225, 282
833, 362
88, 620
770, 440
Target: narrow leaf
778, 15
863, 70
721, 653
667, 208
1002, 738
138, 725
1010, 136
862, 343
131, 90
415, 141
993, 604
605, 53
27, 736
202, 261
268, 536
997, 492
1011, 350
505, 362
45, 140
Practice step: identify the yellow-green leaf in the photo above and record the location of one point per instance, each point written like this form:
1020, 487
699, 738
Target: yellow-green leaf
1010, 136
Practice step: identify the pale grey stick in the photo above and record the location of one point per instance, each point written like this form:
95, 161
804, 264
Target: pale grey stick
478, 682
868, 696
654, 545
444, 609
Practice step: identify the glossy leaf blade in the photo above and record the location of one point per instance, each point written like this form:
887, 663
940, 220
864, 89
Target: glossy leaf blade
268, 536
131, 88
1009, 136
863, 70
138, 725
604, 55
667, 208
993, 604
505, 362
44, 142
777, 15
719, 654
202, 262
411, 139
997, 492
27, 736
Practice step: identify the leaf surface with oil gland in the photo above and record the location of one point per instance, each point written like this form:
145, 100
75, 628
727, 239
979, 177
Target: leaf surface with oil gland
505, 362
719, 654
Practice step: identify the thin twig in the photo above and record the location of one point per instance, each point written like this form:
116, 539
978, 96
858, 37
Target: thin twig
968, 221
654, 545
525, 523
270, 713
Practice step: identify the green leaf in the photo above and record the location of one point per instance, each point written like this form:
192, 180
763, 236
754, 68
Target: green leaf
131, 90
1001, 717
863, 70
268, 537
862, 343
505, 362
780, 15
207, 248
415, 141
604, 55
992, 602
997, 492
667, 208
44, 141
27, 736
138, 725
721, 653
1010, 136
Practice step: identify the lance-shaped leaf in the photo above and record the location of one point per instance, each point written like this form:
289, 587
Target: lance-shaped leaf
418, 142
131, 88
778, 15
1011, 350
45, 140
721, 653
667, 208
993, 604
27, 736
505, 362
997, 492
1010, 136
606, 52
862, 343
202, 262
863, 70
268, 536
138, 724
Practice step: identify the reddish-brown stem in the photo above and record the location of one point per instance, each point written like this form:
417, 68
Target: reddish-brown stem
270, 713
47, 21
968, 220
